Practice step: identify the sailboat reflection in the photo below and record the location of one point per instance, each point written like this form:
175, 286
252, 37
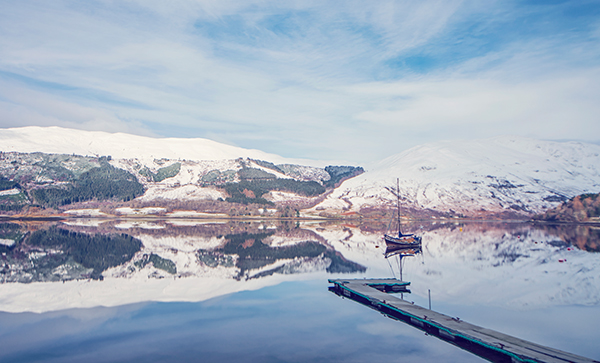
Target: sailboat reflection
400, 252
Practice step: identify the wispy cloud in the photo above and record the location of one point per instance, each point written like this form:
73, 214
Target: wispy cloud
336, 80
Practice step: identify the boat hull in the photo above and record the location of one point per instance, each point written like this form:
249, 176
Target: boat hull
402, 251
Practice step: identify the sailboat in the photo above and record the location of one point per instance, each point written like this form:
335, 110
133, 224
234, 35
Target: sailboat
403, 240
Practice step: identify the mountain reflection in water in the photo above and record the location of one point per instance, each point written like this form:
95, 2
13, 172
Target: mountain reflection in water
533, 265
63, 252
164, 290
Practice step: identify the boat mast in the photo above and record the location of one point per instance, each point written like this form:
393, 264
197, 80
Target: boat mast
398, 204
400, 266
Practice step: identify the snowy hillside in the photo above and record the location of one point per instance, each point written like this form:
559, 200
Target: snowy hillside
509, 175
172, 170
58, 140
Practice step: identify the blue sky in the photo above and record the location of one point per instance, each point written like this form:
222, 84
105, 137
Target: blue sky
331, 80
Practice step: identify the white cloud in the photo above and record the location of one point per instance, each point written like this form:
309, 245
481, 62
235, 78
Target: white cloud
301, 79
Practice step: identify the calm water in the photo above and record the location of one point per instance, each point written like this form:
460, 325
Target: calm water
247, 291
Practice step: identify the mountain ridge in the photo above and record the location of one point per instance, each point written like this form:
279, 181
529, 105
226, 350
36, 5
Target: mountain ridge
505, 176
59, 140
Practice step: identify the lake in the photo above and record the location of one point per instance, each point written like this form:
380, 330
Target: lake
199, 290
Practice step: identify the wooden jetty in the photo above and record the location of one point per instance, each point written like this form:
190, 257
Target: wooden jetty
488, 344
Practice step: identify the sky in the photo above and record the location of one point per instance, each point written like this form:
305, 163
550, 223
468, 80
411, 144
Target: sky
325, 80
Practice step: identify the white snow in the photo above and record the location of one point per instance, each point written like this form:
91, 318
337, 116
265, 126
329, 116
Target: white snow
6, 242
86, 212
85, 222
140, 211
185, 192
283, 240
194, 222
60, 140
195, 214
494, 175
13, 191
138, 224
277, 174
277, 196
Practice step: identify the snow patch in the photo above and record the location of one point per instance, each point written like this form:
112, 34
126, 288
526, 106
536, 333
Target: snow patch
195, 214
140, 211
13, 191
138, 224
6, 242
86, 212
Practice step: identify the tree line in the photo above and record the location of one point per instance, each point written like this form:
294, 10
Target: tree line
99, 251
102, 183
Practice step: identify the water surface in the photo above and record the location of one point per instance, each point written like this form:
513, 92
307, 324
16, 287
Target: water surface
247, 291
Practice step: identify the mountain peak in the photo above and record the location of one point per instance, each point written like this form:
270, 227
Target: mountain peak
58, 140
506, 174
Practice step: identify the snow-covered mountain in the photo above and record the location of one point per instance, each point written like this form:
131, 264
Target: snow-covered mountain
507, 175
502, 175
59, 140
170, 170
